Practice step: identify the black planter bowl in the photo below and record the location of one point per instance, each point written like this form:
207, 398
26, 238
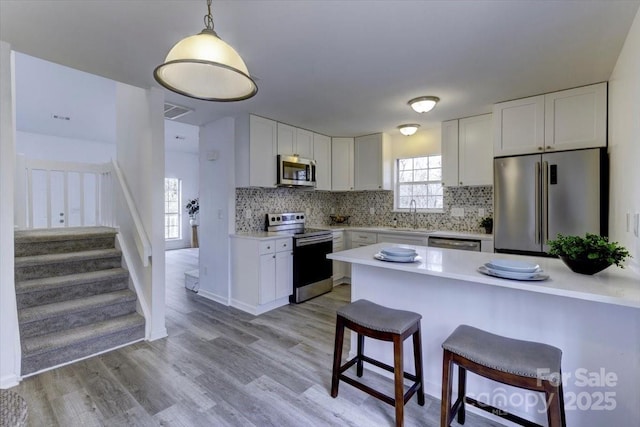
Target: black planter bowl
585, 266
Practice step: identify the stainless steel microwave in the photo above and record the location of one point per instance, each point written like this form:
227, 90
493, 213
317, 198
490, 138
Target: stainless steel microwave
295, 171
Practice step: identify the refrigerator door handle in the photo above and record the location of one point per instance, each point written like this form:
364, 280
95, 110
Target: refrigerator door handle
545, 201
537, 198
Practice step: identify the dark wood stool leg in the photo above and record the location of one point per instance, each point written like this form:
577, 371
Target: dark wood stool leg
398, 370
337, 356
359, 363
462, 392
445, 403
555, 400
417, 356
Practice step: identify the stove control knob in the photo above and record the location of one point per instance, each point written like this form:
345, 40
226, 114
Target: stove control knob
301, 216
273, 218
278, 218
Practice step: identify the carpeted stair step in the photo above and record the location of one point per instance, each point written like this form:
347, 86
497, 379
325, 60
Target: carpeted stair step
51, 318
48, 290
40, 266
49, 350
63, 240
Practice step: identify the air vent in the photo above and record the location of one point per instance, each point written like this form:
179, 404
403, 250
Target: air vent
172, 111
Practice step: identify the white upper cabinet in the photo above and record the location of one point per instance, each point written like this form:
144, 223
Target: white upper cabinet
565, 120
342, 164
292, 140
475, 151
449, 150
256, 149
518, 126
467, 151
322, 156
576, 118
372, 169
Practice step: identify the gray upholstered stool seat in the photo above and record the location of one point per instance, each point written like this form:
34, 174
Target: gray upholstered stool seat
524, 358
378, 317
386, 324
525, 364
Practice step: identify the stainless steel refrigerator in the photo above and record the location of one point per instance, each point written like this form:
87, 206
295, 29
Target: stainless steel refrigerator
540, 195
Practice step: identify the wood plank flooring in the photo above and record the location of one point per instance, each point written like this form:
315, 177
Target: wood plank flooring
220, 367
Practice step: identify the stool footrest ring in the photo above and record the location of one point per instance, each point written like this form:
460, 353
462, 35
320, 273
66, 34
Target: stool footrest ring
501, 413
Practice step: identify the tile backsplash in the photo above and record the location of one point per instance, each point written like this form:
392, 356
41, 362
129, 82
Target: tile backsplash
252, 204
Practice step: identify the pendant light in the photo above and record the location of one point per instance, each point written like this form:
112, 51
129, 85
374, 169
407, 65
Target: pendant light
408, 129
423, 104
204, 67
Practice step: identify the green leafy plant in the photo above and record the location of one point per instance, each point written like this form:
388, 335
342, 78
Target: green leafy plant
193, 207
592, 248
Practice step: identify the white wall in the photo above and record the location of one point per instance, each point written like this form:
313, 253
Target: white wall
624, 143
423, 143
217, 208
49, 147
140, 148
185, 166
10, 353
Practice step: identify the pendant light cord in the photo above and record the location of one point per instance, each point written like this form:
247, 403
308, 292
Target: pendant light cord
208, 19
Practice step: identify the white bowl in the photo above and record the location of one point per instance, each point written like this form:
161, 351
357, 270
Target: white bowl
399, 252
513, 265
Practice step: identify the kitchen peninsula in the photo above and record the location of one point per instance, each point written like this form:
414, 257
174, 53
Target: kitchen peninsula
595, 320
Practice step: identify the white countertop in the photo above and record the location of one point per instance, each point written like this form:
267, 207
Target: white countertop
261, 235
611, 286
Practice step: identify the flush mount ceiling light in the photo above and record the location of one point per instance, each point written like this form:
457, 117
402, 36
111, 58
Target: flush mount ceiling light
408, 129
423, 104
205, 67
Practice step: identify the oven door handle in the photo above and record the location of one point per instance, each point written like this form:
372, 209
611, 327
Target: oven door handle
305, 241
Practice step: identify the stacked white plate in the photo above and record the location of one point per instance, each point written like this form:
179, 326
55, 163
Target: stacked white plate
513, 269
397, 254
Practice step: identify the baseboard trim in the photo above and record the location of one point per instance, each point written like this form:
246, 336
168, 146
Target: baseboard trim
9, 381
257, 310
156, 335
213, 297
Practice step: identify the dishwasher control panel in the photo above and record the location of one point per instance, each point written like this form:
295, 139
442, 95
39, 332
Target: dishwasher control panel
453, 243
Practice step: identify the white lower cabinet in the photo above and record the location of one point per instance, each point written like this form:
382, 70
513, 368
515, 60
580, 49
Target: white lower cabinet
261, 273
339, 267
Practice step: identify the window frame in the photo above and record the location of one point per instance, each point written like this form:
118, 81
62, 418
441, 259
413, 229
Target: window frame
396, 186
178, 213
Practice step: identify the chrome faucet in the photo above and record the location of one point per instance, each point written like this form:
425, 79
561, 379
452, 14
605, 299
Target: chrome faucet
414, 204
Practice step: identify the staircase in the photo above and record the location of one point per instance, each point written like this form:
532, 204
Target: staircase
73, 296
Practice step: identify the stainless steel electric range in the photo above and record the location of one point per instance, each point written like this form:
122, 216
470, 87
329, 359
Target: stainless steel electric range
312, 271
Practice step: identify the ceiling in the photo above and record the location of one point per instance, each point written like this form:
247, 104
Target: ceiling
342, 68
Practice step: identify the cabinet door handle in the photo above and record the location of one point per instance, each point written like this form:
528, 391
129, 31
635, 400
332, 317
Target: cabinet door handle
539, 148
273, 256
268, 247
549, 147
460, 182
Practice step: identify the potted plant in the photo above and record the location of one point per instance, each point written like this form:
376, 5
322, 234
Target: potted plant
193, 207
588, 255
487, 224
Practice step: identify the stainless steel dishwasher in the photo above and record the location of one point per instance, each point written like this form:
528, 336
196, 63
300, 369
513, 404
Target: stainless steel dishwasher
454, 243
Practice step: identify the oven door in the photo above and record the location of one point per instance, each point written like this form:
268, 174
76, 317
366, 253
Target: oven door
310, 263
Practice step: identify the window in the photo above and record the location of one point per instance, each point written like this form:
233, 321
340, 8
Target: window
172, 197
419, 179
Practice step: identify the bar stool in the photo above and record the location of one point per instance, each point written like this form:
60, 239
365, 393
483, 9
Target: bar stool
386, 324
525, 364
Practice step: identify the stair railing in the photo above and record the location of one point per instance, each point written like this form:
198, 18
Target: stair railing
59, 194
127, 212
67, 194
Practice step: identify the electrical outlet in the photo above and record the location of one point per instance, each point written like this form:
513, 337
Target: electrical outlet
247, 213
481, 212
219, 213
458, 212
628, 222
636, 224
307, 211
372, 211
